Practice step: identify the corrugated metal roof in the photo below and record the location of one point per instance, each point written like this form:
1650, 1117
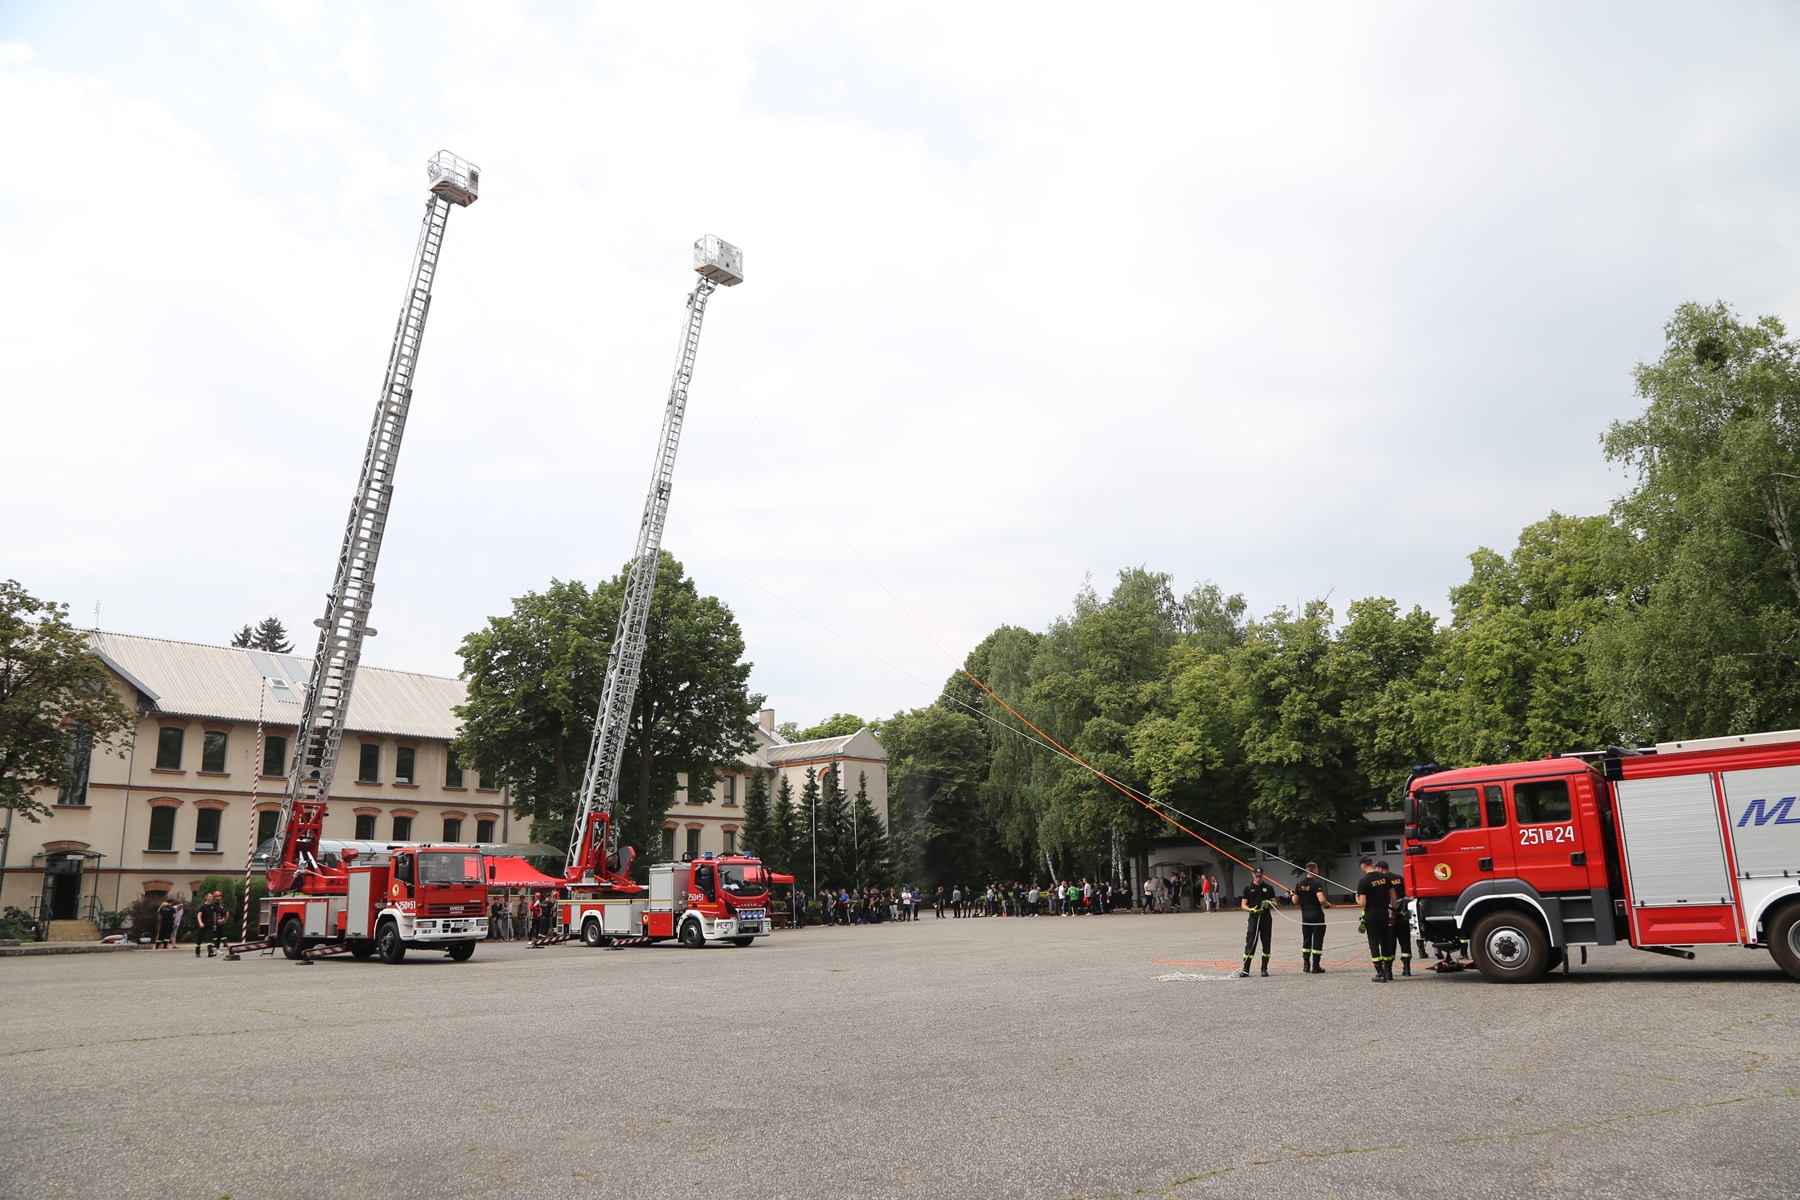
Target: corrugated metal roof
799, 751
220, 682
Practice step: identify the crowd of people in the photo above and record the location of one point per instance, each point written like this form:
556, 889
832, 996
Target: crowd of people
1064, 898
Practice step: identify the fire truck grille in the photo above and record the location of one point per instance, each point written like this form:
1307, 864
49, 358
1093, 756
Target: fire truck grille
450, 910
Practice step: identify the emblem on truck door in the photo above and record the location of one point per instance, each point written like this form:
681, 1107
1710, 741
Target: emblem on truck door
1442, 870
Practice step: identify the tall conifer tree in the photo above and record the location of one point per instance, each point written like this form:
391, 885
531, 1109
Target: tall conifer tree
837, 835
787, 831
759, 828
813, 854
870, 841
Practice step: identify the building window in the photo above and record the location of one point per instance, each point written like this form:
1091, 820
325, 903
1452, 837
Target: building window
728, 789
168, 748
404, 758
80, 759
265, 825
206, 828
212, 751
484, 783
668, 843
365, 827
484, 831
403, 829
731, 841
693, 843
274, 756
368, 769
162, 827
452, 829
452, 771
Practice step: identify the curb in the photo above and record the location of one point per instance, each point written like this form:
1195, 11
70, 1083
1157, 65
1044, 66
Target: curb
61, 948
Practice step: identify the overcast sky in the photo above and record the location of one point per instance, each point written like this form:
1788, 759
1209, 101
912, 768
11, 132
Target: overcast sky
1306, 300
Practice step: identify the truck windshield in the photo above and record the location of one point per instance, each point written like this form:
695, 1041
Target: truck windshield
744, 883
1442, 813
459, 867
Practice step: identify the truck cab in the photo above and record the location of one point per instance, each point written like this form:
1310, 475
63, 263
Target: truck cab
384, 899
1490, 848
709, 899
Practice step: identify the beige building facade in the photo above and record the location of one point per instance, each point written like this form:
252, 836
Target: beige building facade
716, 823
192, 791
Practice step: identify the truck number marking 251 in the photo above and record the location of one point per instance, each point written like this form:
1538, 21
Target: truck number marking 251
1545, 834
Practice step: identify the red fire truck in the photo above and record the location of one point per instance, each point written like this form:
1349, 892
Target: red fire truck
1688, 844
367, 898
706, 900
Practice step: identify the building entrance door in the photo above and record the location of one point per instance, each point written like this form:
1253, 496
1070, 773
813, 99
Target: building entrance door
62, 888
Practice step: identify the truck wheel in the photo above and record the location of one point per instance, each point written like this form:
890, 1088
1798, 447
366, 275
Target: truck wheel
461, 951
362, 949
691, 937
590, 933
293, 942
388, 943
1510, 947
1784, 940
743, 941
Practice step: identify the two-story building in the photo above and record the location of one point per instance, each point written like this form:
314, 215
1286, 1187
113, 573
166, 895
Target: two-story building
695, 826
193, 792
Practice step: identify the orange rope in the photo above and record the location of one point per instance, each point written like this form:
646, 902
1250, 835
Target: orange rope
1122, 789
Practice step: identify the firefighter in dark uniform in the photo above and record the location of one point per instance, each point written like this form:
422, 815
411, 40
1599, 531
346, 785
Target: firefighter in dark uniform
1402, 928
1259, 902
1376, 891
1310, 893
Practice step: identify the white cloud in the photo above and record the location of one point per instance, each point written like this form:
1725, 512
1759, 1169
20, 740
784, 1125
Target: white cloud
1298, 299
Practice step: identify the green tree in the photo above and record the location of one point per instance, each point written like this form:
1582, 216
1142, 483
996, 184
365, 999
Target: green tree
243, 637
836, 725
1708, 649
870, 841
759, 822
814, 851
272, 635
1300, 759
535, 678
1097, 674
1515, 677
936, 759
58, 702
1381, 663
836, 828
789, 825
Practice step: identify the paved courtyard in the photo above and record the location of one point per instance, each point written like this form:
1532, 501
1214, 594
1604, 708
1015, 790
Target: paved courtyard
975, 1058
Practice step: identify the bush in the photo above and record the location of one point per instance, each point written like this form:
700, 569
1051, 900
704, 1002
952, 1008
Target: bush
17, 924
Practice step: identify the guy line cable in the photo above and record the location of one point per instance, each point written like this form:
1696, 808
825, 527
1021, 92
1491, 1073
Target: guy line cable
1149, 802
1043, 740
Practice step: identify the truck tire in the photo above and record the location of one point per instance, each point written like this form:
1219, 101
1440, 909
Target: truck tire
388, 943
742, 941
1784, 939
362, 949
461, 951
591, 935
692, 937
1510, 947
293, 942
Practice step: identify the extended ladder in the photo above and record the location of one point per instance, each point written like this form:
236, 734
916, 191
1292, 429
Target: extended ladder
719, 263
345, 624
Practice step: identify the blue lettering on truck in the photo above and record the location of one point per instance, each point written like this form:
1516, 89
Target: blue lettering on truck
1781, 812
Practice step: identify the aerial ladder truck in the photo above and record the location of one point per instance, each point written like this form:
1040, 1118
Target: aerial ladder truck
331, 897
724, 899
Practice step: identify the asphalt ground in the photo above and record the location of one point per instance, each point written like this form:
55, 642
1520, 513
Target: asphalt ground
957, 1058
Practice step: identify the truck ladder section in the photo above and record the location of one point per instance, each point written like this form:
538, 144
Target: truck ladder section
345, 623
719, 263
